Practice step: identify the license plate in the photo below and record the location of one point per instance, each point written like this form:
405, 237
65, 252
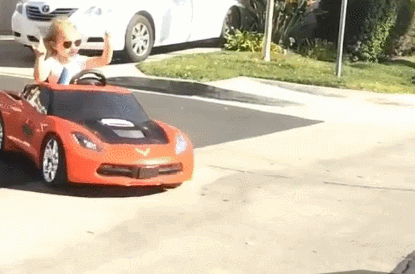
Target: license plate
148, 172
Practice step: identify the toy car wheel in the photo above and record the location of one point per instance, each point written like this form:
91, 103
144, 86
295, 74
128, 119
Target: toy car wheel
2, 135
139, 38
53, 162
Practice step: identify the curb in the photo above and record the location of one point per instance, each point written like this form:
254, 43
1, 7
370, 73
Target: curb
190, 88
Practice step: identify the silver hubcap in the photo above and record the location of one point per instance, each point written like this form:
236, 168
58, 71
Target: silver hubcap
1, 134
50, 160
140, 39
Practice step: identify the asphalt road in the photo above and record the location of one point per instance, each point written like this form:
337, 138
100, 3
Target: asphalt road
15, 55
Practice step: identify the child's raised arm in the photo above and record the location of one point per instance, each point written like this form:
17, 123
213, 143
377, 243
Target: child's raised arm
41, 71
106, 56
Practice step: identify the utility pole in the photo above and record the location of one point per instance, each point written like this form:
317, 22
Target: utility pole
266, 52
341, 38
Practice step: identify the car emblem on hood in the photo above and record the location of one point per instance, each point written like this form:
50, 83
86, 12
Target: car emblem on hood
45, 9
143, 152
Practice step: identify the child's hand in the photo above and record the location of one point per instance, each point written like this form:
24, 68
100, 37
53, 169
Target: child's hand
40, 48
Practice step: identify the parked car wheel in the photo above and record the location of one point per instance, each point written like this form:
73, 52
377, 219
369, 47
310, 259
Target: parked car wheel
53, 162
139, 38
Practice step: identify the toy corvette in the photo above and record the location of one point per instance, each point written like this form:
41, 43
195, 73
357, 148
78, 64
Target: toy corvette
93, 133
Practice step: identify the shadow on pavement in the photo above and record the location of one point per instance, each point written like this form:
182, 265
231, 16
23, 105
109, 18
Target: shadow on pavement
187, 88
120, 58
209, 43
19, 173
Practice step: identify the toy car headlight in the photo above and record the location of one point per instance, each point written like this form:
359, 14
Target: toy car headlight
85, 142
181, 144
19, 7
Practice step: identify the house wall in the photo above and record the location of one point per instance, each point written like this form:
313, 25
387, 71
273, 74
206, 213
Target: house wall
6, 11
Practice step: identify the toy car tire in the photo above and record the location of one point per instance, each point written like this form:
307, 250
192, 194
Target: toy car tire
139, 47
171, 186
53, 165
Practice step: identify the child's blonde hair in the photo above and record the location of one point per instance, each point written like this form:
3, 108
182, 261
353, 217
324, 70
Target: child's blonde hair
59, 25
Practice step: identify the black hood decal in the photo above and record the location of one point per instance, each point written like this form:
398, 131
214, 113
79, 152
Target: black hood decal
148, 132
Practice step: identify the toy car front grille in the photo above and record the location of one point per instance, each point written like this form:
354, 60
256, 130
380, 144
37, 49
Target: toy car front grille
139, 172
34, 13
170, 169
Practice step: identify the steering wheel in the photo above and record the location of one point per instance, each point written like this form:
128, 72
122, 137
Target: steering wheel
89, 77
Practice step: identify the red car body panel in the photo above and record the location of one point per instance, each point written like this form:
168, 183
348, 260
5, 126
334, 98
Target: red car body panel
25, 129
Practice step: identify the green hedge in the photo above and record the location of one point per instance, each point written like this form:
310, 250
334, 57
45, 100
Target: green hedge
376, 31
374, 28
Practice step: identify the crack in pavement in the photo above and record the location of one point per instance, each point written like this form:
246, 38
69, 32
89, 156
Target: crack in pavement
251, 172
371, 187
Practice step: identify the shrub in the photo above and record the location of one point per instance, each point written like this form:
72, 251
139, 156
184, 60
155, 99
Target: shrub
288, 14
247, 41
376, 30
361, 17
328, 19
403, 45
318, 49
402, 37
244, 41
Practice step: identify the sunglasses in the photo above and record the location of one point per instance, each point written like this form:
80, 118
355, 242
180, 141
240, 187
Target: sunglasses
68, 44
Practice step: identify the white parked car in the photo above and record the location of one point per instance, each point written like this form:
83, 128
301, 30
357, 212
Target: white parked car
136, 25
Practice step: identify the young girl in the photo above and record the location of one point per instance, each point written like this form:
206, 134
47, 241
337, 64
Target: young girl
62, 46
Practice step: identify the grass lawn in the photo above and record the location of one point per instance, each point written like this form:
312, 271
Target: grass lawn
393, 76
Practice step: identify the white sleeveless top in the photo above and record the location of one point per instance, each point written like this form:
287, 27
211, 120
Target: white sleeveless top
56, 68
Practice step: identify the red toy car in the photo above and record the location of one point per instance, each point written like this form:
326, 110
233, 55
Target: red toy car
93, 133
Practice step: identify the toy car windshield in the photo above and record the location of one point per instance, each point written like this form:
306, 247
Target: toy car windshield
84, 105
